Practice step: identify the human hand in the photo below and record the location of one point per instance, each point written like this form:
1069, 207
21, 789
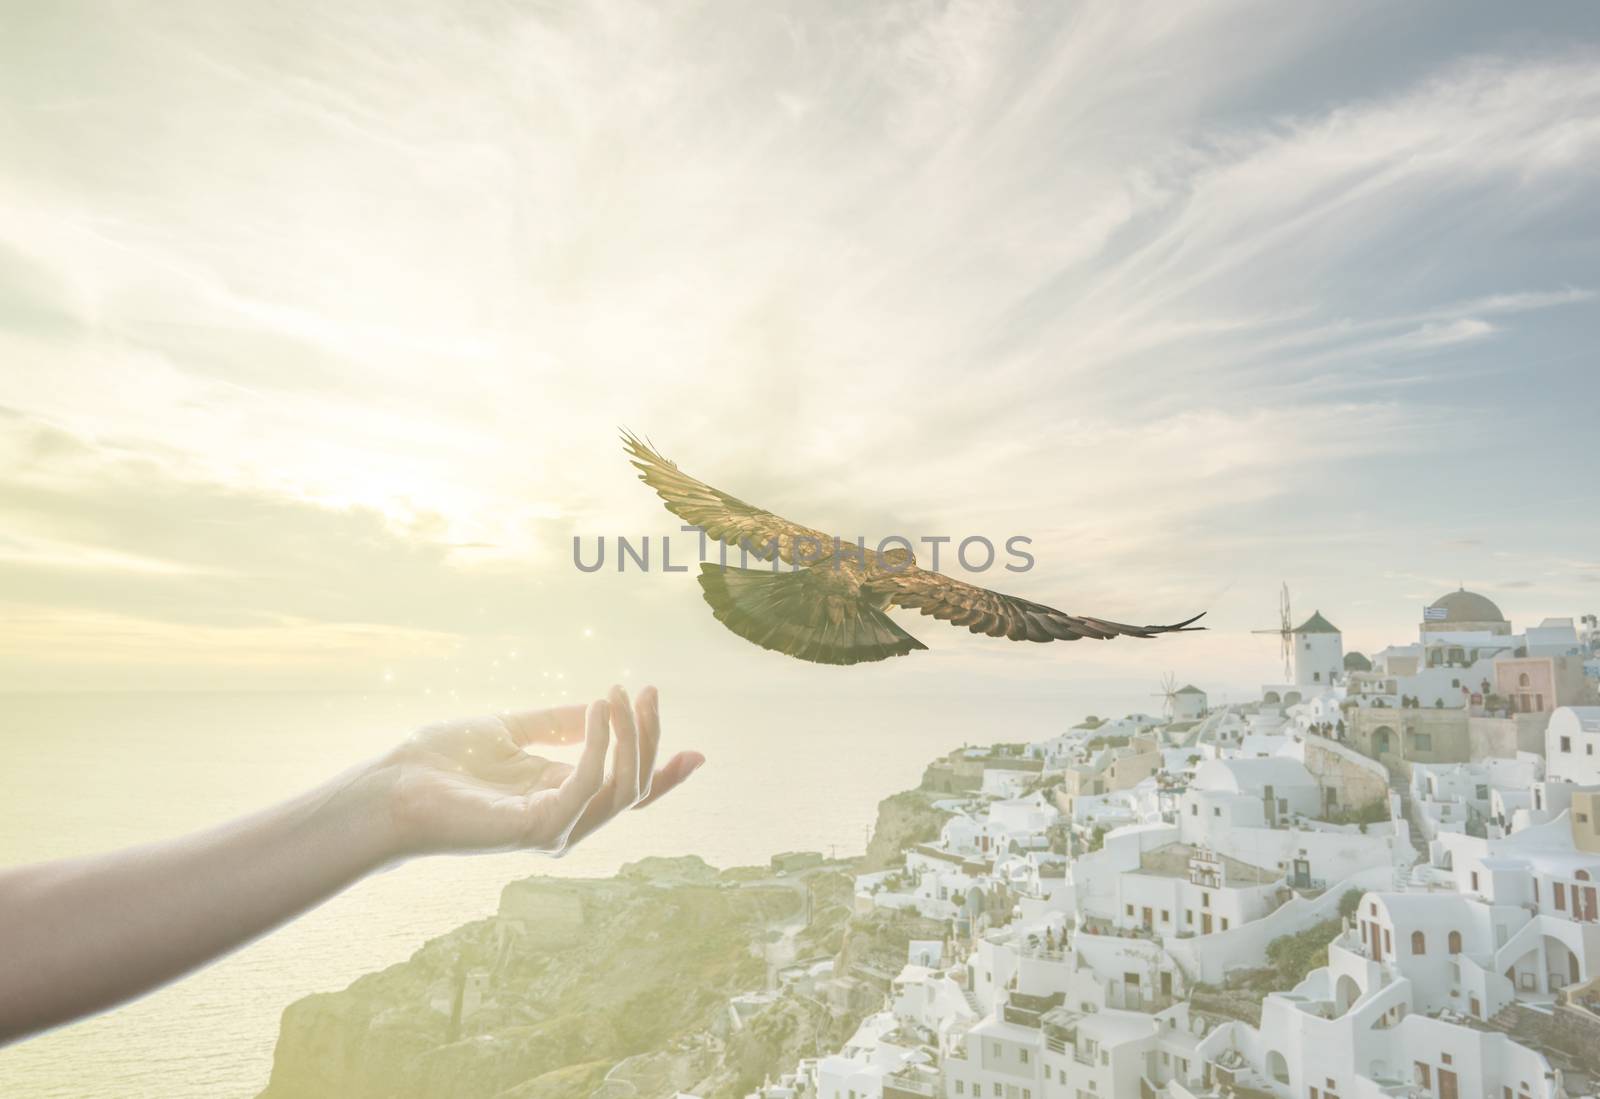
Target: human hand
78, 935
476, 784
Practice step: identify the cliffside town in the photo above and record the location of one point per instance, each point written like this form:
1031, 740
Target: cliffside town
1378, 879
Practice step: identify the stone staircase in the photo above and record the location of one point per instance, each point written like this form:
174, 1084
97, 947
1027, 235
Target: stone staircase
1408, 811
1504, 1020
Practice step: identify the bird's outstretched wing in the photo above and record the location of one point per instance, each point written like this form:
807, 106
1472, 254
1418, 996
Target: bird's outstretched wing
989, 612
723, 517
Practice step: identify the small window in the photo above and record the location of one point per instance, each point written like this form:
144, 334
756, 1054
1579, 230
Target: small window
1419, 943
1455, 942
1566, 744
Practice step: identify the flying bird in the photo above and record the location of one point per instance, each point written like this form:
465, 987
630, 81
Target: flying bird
829, 606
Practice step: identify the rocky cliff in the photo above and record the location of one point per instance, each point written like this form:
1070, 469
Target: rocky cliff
615, 987
903, 819
542, 999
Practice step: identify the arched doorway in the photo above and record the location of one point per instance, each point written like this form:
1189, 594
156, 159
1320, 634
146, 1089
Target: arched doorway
1277, 1067
1383, 740
1346, 993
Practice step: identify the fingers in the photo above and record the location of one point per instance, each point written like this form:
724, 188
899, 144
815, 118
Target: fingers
556, 725
625, 754
647, 716
674, 773
677, 769
588, 797
578, 789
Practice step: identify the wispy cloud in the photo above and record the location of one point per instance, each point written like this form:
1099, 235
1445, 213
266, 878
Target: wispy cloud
1152, 284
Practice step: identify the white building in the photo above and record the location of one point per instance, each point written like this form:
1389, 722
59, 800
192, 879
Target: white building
1179, 889
1572, 745
1553, 637
1318, 653
1188, 703
1245, 793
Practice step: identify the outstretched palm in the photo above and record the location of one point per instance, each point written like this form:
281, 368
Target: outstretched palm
476, 784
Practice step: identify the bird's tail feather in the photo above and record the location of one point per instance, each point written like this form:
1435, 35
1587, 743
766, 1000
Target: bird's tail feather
786, 612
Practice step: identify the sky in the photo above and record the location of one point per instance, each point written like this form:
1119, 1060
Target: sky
318, 323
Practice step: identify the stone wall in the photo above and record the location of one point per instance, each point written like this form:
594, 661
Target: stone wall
1504, 737
1128, 771
553, 913
1353, 780
1568, 1036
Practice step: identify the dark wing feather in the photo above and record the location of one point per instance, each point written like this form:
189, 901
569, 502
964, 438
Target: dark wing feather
723, 517
989, 612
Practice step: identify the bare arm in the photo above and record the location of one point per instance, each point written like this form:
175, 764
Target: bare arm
80, 935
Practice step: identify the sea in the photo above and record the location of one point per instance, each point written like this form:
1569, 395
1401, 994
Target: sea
97, 771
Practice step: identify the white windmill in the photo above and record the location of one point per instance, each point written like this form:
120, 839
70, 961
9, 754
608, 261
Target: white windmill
1285, 632
1168, 694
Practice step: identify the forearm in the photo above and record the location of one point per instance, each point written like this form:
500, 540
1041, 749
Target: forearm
80, 935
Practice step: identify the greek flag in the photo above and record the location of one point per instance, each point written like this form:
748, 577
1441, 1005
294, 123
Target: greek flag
1433, 614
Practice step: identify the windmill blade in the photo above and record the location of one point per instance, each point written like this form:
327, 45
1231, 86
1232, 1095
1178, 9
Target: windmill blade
1168, 694
1285, 631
